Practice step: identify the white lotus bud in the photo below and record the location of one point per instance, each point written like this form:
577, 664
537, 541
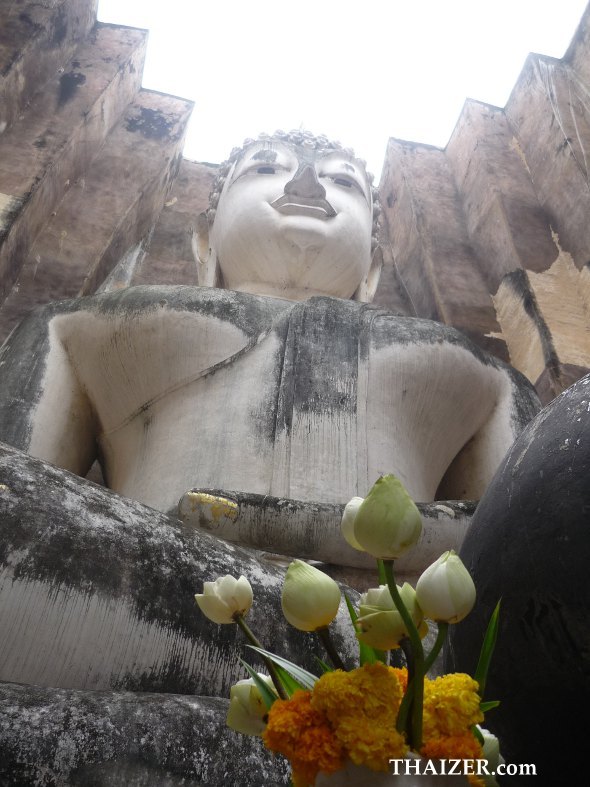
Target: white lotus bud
379, 623
310, 598
222, 599
491, 753
445, 591
247, 711
347, 524
387, 522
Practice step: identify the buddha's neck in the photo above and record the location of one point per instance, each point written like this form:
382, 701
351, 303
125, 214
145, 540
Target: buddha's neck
278, 291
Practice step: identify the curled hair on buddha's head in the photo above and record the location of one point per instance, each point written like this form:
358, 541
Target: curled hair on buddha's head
319, 143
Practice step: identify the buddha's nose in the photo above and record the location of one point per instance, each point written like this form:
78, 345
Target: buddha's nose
305, 183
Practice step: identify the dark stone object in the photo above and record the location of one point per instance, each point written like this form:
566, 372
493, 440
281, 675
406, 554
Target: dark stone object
100, 738
529, 544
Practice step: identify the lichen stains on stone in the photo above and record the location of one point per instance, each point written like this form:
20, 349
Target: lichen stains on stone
152, 124
68, 84
60, 28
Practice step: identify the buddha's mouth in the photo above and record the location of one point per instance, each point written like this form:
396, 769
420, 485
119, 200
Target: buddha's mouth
291, 205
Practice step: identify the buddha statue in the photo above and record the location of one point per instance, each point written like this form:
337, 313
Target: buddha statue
274, 380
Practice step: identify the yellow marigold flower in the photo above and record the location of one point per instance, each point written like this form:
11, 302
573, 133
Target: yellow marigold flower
361, 707
371, 743
451, 705
371, 689
303, 735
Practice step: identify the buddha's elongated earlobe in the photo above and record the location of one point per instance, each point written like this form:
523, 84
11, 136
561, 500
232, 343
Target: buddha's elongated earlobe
205, 256
367, 288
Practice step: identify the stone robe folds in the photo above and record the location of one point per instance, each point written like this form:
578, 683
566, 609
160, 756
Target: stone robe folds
177, 387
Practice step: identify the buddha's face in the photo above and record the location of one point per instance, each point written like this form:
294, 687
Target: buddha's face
293, 222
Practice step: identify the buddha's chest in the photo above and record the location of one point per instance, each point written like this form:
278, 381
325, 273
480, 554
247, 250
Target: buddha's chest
277, 419
293, 418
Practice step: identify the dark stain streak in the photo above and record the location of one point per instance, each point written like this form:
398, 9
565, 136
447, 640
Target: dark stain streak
68, 84
60, 28
518, 282
152, 124
16, 56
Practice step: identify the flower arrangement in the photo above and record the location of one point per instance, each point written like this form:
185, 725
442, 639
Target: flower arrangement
375, 713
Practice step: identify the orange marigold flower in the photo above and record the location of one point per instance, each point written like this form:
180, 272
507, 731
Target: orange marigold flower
459, 747
303, 735
401, 673
451, 705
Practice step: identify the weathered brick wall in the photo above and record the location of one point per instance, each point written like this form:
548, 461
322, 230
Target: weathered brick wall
491, 234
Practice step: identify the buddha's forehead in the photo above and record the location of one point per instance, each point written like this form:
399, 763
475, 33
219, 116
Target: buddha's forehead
270, 151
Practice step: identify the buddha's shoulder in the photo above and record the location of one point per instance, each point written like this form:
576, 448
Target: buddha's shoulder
387, 327
138, 305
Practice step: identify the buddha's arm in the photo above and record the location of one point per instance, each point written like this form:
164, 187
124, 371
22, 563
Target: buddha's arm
43, 409
472, 470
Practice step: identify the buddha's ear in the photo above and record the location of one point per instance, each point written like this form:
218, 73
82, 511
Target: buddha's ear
204, 255
368, 287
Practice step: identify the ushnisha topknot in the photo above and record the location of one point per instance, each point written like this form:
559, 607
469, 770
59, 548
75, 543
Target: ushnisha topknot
302, 137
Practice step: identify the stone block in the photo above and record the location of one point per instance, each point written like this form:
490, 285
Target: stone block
578, 52
36, 40
433, 252
123, 739
106, 212
169, 258
505, 222
549, 111
52, 146
97, 592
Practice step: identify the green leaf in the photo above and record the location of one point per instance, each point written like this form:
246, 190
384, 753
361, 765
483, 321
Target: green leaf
477, 732
367, 654
381, 572
487, 649
268, 695
323, 666
289, 683
490, 705
306, 680
371, 655
351, 609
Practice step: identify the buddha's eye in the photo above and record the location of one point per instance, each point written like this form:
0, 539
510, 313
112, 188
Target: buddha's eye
342, 180
266, 170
